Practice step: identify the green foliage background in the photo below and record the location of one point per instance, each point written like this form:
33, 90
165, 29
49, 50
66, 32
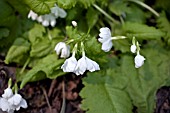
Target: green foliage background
118, 86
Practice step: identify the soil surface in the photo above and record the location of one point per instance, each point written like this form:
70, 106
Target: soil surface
61, 95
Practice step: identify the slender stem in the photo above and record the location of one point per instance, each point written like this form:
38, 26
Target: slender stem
121, 19
106, 14
145, 6
26, 63
64, 100
118, 37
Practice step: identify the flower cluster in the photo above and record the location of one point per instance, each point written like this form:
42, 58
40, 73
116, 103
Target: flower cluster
48, 19
10, 102
71, 64
106, 39
139, 59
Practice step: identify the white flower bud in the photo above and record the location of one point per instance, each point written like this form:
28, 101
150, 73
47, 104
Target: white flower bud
139, 60
133, 48
63, 49
74, 23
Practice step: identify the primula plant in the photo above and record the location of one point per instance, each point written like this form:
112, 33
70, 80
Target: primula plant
119, 48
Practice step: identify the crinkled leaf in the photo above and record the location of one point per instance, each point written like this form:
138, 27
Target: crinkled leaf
101, 96
35, 33
4, 32
142, 31
41, 48
67, 4
40, 6
17, 51
45, 67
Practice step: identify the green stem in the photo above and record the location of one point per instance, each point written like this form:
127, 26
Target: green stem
26, 63
145, 6
106, 14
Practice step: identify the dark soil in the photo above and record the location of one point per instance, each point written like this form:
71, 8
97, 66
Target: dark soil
50, 96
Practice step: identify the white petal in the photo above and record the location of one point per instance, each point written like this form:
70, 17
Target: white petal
133, 48
62, 13
4, 105
32, 15
139, 61
45, 23
40, 19
92, 65
63, 49
15, 99
105, 30
23, 103
81, 65
52, 23
106, 46
7, 93
69, 64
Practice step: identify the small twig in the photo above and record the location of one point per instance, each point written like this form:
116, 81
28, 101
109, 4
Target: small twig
53, 83
64, 100
48, 103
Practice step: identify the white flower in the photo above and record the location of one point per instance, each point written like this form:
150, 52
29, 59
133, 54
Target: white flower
47, 19
69, 64
105, 39
7, 93
58, 12
139, 60
63, 49
17, 101
133, 48
74, 23
5, 106
32, 15
86, 64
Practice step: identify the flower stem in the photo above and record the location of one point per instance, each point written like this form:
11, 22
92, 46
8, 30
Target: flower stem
26, 63
145, 6
82, 48
74, 50
106, 14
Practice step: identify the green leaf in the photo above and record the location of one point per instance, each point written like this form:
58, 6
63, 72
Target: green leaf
4, 32
35, 33
66, 4
91, 18
135, 14
40, 6
101, 96
18, 51
41, 48
118, 7
87, 3
144, 82
46, 67
142, 31
164, 25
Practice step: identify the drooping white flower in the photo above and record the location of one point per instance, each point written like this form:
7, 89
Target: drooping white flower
105, 39
74, 23
58, 12
5, 106
85, 64
69, 64
139, 60
32, 15
7, 93
47, 19
17, 101
63, 49
133, 48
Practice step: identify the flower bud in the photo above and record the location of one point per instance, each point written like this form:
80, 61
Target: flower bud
74, 23
139, 60
133, 48
62, 49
